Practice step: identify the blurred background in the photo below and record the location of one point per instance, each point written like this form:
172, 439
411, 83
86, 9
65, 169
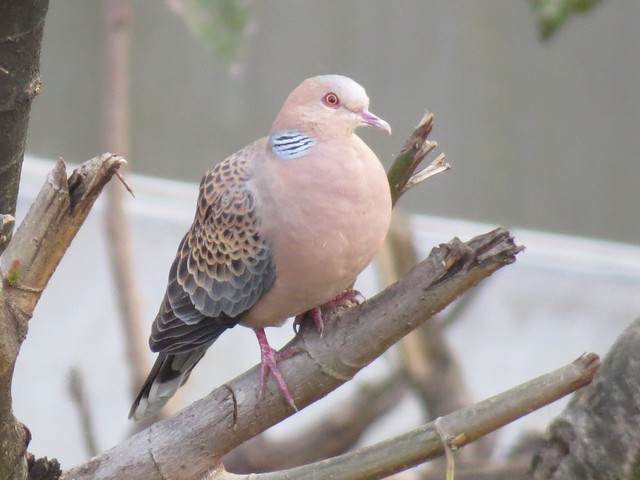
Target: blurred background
541, 135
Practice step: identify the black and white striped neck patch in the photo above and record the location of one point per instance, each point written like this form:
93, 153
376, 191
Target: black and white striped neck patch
291, 144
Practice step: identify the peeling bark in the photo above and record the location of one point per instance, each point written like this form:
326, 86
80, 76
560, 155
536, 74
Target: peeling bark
26, 266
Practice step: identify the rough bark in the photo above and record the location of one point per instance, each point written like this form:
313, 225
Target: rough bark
598, 434
25, 268
21, 28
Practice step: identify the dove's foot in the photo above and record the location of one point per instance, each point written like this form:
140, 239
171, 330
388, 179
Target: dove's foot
269, 363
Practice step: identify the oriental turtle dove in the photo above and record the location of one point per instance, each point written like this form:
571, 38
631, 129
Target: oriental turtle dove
282, 226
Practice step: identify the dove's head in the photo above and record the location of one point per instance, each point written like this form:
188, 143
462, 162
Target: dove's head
327, 105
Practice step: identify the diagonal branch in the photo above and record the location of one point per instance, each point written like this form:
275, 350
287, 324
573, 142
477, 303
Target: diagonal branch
330, 435
190, 444
458, 429
26, 265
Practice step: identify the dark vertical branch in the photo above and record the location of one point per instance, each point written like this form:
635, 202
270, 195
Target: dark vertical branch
118, 19
21, 28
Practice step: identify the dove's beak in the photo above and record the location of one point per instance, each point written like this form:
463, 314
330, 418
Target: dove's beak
372, 120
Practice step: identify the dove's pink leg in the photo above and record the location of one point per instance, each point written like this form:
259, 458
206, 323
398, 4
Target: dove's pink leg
269, 359
316, 314
348, 296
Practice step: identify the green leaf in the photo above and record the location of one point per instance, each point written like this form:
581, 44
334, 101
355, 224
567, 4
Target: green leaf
551, 14
219, 24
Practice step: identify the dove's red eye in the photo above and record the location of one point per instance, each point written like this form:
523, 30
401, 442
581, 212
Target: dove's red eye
331, 100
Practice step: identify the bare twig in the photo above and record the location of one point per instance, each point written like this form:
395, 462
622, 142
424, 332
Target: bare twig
118, 18
331, 435
517, 469
417, 147
78, 394
447, 449
436, 167
460, 428
125, 184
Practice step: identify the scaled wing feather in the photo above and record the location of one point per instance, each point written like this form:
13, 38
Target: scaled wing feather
223, 265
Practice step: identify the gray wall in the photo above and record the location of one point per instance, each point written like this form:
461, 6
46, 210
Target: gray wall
545, 136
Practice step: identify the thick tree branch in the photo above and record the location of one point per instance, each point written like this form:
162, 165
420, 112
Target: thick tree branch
21, 28
25, 268
233, 413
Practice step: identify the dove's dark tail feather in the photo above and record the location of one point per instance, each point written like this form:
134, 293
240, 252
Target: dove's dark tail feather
169, 372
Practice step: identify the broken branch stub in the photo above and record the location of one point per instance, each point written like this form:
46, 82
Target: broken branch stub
32, 255
52, 222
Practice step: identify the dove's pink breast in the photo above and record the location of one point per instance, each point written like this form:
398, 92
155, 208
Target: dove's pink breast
325, 216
